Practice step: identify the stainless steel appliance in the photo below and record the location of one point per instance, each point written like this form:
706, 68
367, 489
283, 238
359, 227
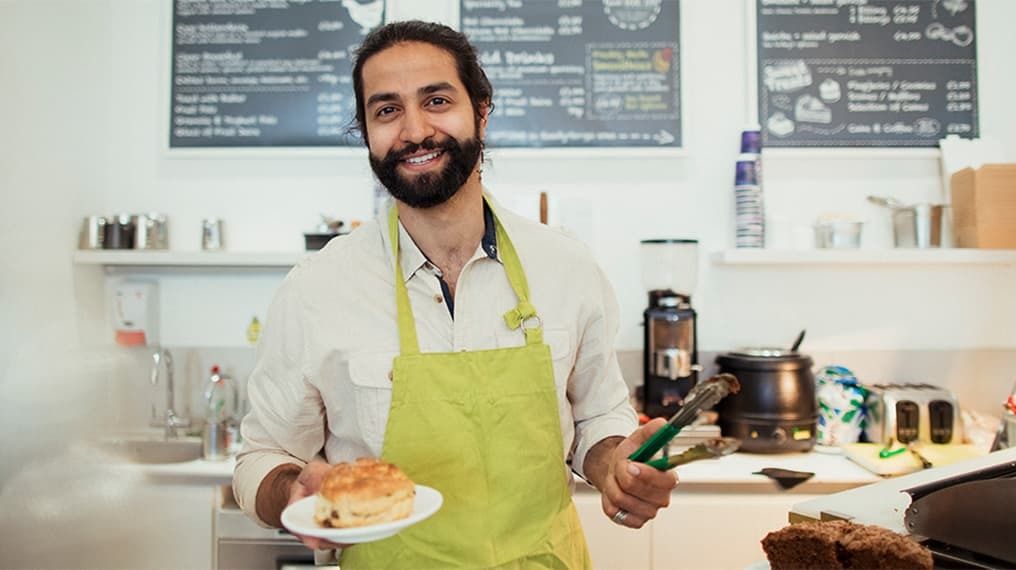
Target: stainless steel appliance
776, 410
961, 511
912, 412
240, 544
670, 346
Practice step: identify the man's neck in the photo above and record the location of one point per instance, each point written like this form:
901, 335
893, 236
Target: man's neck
448, 234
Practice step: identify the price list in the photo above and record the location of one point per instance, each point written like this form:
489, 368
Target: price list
263, 73
868, 73
579, 73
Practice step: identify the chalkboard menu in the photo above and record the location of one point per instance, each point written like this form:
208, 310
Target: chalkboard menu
266, 72
579, 73
866, 73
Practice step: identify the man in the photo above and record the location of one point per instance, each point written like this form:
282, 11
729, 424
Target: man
469, 346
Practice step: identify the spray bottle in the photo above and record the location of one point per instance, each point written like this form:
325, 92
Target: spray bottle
221, 422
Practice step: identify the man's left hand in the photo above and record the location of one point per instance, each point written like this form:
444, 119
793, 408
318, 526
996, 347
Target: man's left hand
632, 493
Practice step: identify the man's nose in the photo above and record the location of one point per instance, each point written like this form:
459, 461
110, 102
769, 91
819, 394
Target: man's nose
415, 126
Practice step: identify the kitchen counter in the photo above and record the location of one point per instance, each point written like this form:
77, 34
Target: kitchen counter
196, 472
734, 473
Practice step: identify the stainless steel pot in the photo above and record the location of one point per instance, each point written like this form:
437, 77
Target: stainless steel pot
914, 225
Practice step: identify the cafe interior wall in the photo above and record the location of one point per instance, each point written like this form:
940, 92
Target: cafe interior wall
84, 109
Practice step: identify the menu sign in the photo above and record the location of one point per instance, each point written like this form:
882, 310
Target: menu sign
579, 73
266, 72
866, 73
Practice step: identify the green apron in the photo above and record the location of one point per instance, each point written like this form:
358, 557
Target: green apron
481, 427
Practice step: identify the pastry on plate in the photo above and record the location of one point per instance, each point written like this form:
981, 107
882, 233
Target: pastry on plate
365, 492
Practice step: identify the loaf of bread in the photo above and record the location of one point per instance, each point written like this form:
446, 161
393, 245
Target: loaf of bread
842, 544
365, 492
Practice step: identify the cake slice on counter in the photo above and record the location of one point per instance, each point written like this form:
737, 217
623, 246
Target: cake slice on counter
841, 544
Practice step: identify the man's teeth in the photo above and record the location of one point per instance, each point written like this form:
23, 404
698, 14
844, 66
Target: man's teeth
424, 158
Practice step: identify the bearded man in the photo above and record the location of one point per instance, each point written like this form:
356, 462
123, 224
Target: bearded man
469, 346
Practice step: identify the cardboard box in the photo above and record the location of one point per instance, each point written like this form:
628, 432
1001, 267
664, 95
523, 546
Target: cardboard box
984, 206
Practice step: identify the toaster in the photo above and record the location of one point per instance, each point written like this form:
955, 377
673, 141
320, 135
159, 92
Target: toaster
912, 412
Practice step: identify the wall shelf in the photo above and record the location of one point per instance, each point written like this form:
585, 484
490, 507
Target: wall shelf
189, 259
945, 256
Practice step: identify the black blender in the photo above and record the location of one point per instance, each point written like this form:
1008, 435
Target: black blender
670, 348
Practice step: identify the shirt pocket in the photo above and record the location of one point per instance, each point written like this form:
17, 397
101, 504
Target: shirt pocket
371, 376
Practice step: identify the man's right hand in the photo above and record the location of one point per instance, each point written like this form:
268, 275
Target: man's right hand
306, 484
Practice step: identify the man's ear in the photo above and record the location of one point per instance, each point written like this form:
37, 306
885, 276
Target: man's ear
485, 109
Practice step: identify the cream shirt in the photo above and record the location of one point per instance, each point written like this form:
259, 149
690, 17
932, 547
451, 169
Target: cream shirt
321, 383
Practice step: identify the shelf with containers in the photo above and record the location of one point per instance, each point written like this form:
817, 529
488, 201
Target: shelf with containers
945, 256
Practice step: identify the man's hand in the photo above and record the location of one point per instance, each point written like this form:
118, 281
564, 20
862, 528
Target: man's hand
306, 484
633, 488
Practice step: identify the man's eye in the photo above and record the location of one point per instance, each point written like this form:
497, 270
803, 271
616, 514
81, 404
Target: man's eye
437, 101
385, 111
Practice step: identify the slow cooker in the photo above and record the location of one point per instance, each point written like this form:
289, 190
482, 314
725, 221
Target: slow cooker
776, 410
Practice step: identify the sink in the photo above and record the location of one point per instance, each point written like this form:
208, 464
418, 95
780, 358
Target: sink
148, 450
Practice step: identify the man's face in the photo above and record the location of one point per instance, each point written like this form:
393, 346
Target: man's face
424, 138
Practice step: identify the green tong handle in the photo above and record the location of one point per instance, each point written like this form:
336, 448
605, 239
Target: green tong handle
654, 444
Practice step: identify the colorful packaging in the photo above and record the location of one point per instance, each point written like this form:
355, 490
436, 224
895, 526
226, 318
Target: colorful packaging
840, 406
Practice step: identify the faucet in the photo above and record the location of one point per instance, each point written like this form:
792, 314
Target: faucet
171, 421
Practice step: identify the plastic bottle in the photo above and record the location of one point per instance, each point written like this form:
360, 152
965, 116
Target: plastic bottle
221, 433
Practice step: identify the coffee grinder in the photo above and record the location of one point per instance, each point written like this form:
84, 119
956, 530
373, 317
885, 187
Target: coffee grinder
670, 347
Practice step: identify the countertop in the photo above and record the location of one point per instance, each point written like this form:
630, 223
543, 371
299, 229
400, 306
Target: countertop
734, 473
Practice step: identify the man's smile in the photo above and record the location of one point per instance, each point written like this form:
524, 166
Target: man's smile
421, 161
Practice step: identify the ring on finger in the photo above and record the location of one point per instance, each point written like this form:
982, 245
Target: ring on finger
620, 516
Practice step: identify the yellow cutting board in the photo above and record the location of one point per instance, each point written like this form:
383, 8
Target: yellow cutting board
866, 455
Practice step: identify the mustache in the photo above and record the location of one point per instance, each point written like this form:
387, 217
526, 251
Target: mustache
429, 143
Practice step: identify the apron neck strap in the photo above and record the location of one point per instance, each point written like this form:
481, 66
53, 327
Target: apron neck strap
523, 315
407, 325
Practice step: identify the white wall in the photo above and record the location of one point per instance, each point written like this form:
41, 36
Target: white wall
83, 110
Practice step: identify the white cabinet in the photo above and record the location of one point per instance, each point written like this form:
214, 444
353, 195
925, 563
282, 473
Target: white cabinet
717, 530
699, 531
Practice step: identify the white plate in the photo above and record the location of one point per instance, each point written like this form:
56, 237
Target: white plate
298, 518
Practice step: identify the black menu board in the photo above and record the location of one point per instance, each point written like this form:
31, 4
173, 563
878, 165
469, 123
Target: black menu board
866, 73
262, 73
579, 73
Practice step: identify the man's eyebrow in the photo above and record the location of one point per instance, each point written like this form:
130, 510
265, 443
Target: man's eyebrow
379, 97
435, 87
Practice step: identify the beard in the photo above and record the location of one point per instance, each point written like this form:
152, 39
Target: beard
431, 188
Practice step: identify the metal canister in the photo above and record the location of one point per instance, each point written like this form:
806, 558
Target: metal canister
119, 232
151, 231
92, 235
211, 234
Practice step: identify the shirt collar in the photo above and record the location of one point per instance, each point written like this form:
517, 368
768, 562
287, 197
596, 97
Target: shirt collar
413, 259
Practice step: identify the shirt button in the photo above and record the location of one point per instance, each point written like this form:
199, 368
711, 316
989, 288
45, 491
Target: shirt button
438, 298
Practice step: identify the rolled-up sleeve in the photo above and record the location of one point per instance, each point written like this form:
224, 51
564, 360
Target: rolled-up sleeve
286, 422
596, 389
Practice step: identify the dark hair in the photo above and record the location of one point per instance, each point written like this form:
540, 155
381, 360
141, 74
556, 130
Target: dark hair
455, 43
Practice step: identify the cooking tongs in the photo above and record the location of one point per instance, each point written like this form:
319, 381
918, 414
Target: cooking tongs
702, 396
709, 449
